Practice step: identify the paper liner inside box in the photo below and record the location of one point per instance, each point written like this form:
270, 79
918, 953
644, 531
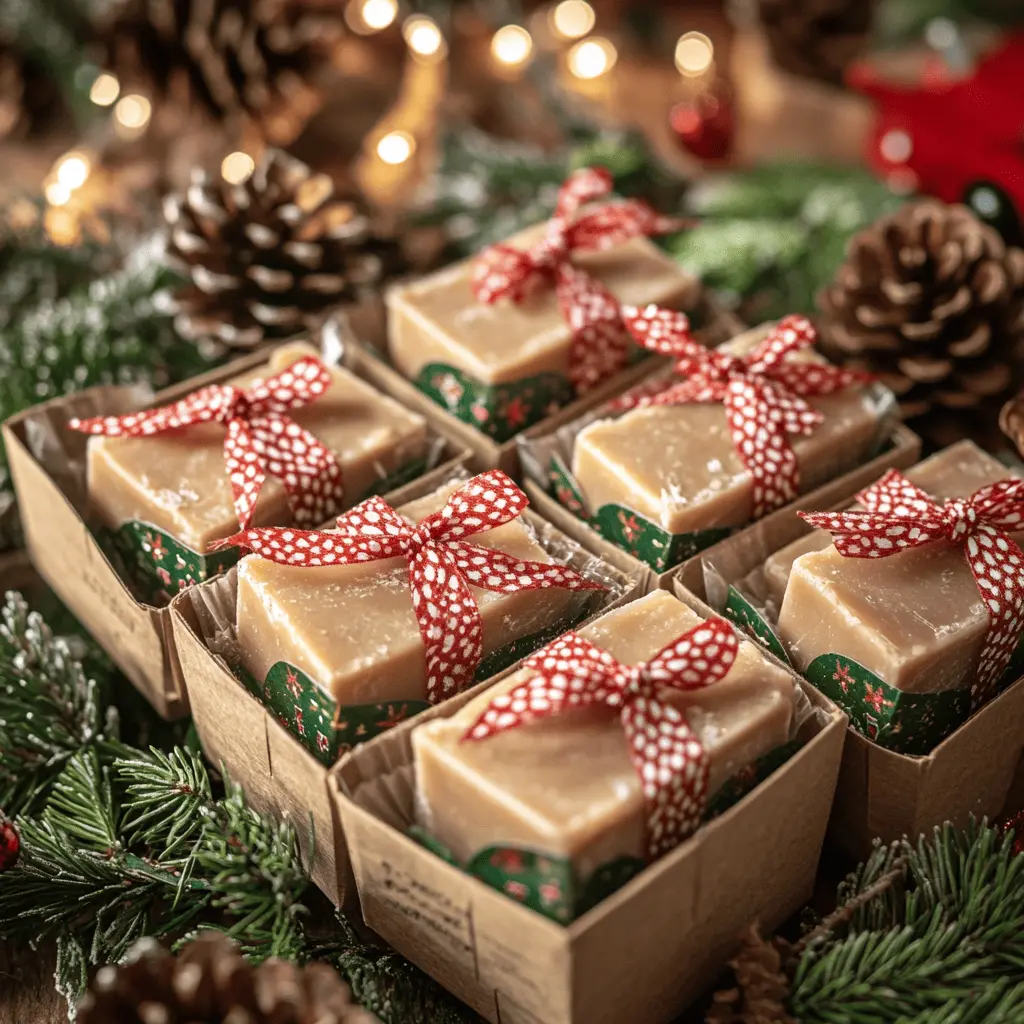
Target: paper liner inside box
548, 458
153, 564
905, 721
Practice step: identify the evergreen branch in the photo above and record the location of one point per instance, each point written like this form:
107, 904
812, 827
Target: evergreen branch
81, 805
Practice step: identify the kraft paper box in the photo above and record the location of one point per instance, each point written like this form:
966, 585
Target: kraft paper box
882, 793
49, 472
864, 421
641, 955
715, 324
278, 772
902, 450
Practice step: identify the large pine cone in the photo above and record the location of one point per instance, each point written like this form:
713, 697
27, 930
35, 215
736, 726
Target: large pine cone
237, 60
816, 38
932, 301
270, 258
209, 982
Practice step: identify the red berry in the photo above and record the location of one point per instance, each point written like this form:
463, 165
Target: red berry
10, 844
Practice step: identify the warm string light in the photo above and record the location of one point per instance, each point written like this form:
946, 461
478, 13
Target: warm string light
424, 38
368, 16
396, 147
572, 19
237, 168
131, 115
592, 58
511, 46
695, 53
68, 175
105, 89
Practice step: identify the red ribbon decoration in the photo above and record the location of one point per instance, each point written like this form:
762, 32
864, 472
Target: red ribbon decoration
763, 392
899, 516
261, 438
442, 566
667, 755
600, 344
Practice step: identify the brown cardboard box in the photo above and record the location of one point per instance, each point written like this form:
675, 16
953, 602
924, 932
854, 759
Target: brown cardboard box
641, 955
903, 450
278, 774
49, 479
882, 793
720, 325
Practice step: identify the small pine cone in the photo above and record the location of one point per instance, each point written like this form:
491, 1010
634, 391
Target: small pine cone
762, 986
932, 301
272, 257
1011, 420
816, 38
209, 982
238, 61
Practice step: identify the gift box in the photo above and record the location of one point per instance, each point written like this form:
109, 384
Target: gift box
665, 933
530, 329
74, 554
921, 752
277, 729
610, 475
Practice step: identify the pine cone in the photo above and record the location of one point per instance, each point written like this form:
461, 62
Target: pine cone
932, 301
762, 986
209, 982
271, 257
816, 38
236, 60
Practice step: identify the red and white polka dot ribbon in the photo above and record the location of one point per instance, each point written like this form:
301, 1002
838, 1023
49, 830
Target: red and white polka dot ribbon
261, 438
672, 763
763, 392
600, 344
442, 566
899, 516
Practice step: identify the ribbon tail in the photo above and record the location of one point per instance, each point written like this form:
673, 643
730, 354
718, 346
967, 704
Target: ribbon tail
449, 622
245, 470
600, 341
673, 767
491, 569
997, 563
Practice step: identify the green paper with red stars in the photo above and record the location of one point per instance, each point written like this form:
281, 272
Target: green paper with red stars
157, 567
328, 730
551, 886
629, 530
907, 723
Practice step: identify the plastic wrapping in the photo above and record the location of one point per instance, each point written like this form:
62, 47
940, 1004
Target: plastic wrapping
352, 664
665, 482
551, 812
893, 641
153, 563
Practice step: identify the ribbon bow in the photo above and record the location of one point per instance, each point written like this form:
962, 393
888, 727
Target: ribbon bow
667, 755
899, 516
600, 344
442, 566
763, 392
261, 438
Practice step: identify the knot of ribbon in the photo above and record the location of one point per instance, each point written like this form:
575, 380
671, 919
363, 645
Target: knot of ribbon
261, 438
600, 343
897, 516
442, 566
763, 392
668, 756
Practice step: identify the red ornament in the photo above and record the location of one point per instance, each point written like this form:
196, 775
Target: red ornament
763, 392
706, 124
943, 135
261, 438
900, 516
442, 566
10, 844
667, 755
1017, 824
600, 344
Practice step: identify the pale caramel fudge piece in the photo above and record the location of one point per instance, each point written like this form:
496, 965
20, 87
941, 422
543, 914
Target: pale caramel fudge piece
438, 319
677, 466
351, 628
566, 785
951, 473
177, 480
915, 619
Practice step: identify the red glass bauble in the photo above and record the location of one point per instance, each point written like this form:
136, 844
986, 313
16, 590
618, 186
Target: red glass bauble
705, 124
